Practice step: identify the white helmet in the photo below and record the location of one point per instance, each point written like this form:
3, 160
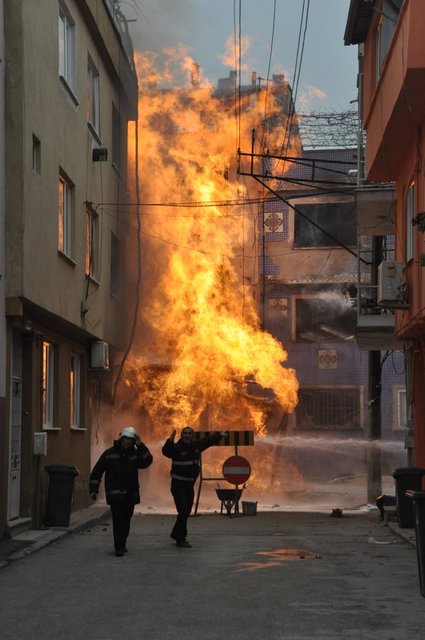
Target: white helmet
128, 432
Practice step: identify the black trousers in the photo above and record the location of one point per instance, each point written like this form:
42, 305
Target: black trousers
183, 494
121, 516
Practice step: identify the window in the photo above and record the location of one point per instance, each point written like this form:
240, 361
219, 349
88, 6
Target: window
93, 97
65, 215
48, 373
66, 46
92, 243
328, 318
400, 408
329, 408
410, 214
385, 32
75, 391
338, 219
117, 139
115, 257
36, 154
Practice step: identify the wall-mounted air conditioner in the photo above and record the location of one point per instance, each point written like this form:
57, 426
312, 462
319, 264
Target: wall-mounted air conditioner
99, 355
390, 283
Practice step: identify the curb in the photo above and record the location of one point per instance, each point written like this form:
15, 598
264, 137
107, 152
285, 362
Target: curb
39, 538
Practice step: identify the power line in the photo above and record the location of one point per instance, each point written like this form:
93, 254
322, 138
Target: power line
186, 204
297, 72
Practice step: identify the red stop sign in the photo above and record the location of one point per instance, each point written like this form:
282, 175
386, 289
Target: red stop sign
236, 469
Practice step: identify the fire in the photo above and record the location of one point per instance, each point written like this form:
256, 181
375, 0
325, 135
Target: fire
199, 346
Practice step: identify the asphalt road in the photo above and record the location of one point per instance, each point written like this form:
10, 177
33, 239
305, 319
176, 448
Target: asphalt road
292, 576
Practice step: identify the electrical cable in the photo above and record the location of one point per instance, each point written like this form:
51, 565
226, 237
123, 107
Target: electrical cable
264, 132
297, 72
235, 89
139, 269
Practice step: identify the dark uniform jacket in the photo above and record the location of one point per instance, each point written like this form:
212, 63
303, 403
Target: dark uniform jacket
120, 467
186, 456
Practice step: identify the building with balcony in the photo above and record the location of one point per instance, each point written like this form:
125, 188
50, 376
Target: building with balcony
391, 75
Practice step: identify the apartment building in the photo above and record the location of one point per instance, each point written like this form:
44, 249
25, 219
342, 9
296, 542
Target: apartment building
391, 73
310, 261
71, 89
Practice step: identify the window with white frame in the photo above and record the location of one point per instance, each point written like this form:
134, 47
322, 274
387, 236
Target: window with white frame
410, 214
75, 391
48, 380
65, 215
92, 243
66, 45
400, 409
93, 96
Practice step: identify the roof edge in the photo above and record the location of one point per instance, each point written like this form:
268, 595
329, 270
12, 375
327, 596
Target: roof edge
358, 21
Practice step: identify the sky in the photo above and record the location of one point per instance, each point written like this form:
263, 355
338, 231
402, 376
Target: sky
327, 74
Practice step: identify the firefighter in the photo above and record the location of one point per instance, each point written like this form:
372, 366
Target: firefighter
120, 464
186, 456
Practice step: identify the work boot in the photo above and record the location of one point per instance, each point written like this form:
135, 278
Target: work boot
119, 552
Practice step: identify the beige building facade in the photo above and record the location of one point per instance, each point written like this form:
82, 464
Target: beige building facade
71, 90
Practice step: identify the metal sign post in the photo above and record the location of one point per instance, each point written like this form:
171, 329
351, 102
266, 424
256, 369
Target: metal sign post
231, 439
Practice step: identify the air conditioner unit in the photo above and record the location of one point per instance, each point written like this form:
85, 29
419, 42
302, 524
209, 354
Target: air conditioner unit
390, 283
99, 355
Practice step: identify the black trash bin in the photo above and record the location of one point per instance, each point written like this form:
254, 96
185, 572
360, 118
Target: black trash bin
59, 497
407, 478
418, 498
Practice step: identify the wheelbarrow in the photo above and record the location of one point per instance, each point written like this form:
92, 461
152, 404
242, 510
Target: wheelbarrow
229, 498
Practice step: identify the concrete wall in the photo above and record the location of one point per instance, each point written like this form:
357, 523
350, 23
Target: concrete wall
3, 439
47, 278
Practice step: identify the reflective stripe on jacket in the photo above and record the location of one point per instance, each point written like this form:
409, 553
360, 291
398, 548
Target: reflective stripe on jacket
186, 457
121, 469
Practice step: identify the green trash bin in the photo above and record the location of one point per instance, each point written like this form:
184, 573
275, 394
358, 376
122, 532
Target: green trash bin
418, 498
59, 496
407, 478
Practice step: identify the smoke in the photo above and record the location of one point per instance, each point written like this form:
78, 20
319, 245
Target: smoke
232, 55
163, 23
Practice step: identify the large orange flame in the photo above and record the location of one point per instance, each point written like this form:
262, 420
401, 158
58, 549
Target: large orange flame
200, 345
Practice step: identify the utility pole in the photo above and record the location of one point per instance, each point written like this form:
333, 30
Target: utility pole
374, 479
